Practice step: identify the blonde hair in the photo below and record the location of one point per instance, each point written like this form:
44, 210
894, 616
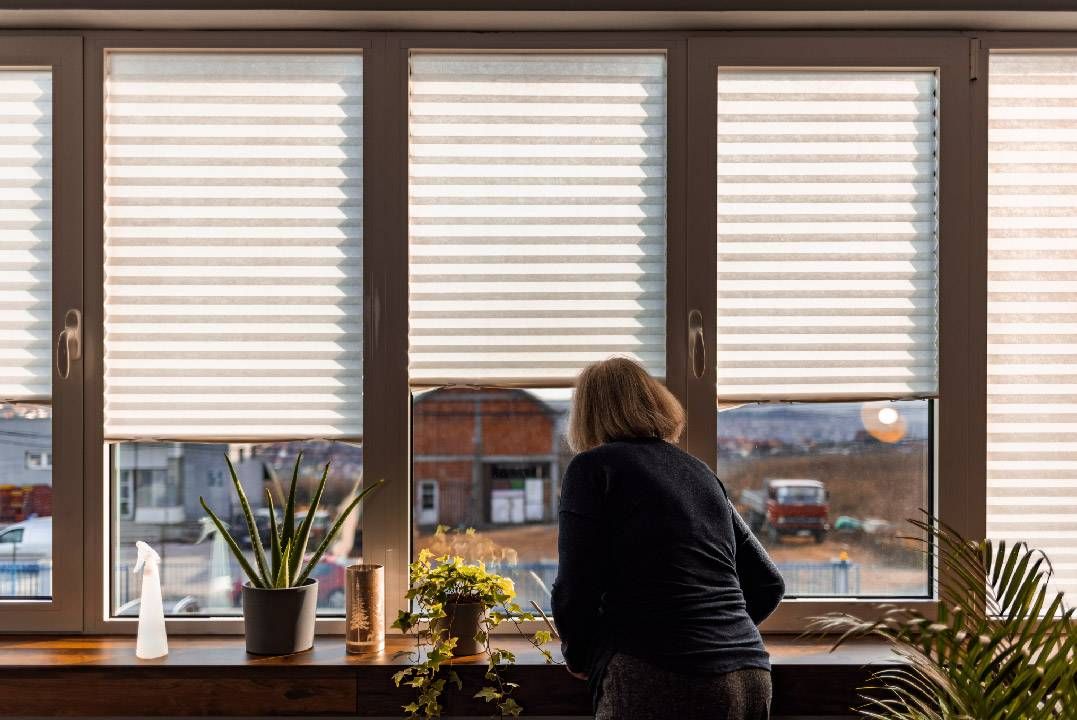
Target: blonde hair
616, 400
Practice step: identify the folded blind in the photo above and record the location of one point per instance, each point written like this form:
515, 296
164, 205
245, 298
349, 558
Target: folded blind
25, 235
1032, 307
537, 207
827, 234
233, 234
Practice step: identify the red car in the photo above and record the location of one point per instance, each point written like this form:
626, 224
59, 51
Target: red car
330, 576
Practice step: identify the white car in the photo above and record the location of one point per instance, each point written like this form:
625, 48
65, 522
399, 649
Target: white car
28, 540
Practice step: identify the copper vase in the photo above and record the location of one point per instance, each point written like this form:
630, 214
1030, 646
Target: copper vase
365, 609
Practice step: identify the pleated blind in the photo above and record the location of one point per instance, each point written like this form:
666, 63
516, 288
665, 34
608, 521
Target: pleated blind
25, 235
1032, 307
537, 215
233, 246
827, 235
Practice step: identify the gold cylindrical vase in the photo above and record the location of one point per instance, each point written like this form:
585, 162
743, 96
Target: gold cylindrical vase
365, 609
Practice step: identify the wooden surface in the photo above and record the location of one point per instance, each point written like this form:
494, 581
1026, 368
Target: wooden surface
100, 676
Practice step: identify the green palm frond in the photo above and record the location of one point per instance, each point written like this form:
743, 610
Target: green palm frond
1001, 645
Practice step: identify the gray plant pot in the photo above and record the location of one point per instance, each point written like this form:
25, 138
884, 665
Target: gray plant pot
279, 622
462, 622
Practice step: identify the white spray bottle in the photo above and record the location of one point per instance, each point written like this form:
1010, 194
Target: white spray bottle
152, 641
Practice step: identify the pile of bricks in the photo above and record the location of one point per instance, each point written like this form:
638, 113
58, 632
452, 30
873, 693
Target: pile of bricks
18, 503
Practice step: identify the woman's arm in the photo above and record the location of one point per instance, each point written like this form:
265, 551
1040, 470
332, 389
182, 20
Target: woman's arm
577, 592
760, 580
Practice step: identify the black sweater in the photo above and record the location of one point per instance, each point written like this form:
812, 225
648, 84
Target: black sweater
656, 563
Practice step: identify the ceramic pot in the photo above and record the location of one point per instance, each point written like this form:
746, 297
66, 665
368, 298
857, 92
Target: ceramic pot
461, 621
279, 621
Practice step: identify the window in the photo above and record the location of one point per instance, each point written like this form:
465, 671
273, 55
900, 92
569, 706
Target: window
38, 460
498, 454
233, 303
26, 430
827, 300
1031, 306
537, 245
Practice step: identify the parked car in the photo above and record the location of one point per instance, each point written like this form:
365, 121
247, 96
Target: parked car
27, 540
330, 576
788, 507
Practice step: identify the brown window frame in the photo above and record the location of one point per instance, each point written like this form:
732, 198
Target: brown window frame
64, 55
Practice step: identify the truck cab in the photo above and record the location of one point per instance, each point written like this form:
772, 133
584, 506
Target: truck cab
788, 506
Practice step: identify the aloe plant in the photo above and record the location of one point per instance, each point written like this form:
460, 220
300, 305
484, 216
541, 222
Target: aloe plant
288, 542
1000, 646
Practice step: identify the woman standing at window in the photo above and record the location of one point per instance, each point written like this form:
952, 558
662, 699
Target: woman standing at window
661, 585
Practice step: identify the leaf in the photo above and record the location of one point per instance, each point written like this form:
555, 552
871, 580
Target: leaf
288, 524
333, 531
253, 576
303, 534
252, 526
488, 694
283, 578
274, 537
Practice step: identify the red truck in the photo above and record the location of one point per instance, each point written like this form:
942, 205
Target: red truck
788, 507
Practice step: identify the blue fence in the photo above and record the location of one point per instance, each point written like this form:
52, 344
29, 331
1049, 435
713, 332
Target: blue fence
26, 579
533, 580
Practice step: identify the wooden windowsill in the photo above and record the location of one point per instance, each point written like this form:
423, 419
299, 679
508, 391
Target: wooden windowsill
100, 676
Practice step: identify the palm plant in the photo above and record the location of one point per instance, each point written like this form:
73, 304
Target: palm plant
1000, 647
288, 541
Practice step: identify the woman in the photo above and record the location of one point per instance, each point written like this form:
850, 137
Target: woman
661, 584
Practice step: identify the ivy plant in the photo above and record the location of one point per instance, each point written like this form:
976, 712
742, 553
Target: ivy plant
435, 584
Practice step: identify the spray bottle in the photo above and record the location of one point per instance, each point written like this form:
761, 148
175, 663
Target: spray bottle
152, 641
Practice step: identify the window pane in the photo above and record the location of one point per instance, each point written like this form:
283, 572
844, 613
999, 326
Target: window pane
26, 344
537, 215
828, 487
156, 499
492, 460
25, 501
827, 234
1032, 307
233, 300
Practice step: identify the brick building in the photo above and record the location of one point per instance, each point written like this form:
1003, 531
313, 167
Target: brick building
485, 457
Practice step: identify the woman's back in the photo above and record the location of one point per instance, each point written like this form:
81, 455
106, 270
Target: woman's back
663, 542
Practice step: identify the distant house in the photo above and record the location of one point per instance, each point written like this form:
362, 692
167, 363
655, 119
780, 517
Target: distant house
485, 457
158, 486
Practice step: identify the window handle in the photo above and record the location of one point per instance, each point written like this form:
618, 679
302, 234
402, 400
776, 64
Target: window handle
69, 344
697, 350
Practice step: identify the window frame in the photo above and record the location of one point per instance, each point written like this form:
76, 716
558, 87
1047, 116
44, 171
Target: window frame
953, 452
62, 613
80, 586
96, 602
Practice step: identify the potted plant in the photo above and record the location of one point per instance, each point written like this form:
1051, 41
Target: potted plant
461, 603
280, 599
1001, 645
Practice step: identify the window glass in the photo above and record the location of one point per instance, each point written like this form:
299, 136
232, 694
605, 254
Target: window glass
828, 488
498, 456
1032, 307
827, 291
161, 507
537, 244
26, 221
233, 304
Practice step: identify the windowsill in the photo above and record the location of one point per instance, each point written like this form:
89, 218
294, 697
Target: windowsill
100, 676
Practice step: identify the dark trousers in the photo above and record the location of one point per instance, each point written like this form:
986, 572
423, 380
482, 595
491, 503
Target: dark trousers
636, 690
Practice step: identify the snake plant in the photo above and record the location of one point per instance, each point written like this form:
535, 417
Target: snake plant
288, 541
1000, 646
